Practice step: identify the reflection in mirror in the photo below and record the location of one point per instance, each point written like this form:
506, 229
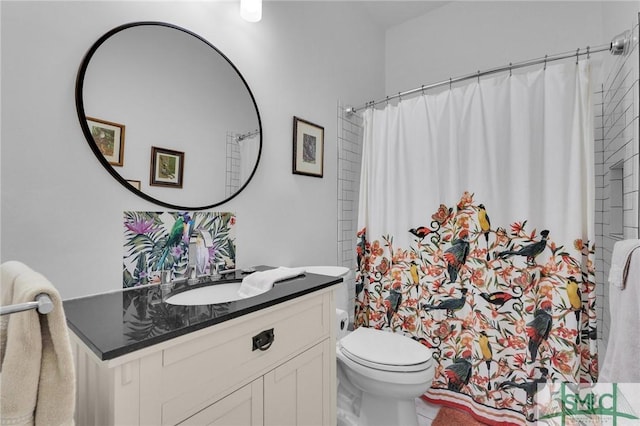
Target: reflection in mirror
172, 90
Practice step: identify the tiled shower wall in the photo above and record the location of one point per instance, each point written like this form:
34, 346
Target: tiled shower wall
232, 175
617, 167
350, 132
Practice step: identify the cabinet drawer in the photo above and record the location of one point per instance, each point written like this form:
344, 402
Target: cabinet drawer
196, 373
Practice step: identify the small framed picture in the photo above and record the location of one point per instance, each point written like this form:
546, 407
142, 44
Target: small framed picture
167, 167
109, 138
308, 148
135, 183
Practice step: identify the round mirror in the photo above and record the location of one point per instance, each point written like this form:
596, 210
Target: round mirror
168, 115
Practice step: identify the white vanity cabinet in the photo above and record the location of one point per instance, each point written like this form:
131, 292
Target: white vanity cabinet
214, 376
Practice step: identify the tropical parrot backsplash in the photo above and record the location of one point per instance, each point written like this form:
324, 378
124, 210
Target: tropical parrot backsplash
502, 307
155, 241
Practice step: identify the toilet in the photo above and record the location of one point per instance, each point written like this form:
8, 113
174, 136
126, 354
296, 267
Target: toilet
380, 373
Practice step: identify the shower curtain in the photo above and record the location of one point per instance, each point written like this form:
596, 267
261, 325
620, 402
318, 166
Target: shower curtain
475, 236
249, 148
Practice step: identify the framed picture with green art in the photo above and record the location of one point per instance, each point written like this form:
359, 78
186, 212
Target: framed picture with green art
167, 167
109, 138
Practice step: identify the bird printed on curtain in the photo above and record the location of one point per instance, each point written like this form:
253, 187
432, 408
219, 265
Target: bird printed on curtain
529, 251
485, 224
456, 256
530, 387
487, 353
487, 311
449, 305
459, 372
539, 328
499, 298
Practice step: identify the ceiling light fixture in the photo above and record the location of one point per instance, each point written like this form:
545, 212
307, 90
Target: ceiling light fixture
251, 10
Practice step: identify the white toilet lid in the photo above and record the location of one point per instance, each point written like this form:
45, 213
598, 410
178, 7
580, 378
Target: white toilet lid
385, 350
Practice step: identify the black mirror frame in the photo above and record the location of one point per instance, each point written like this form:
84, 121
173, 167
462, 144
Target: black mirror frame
87, 132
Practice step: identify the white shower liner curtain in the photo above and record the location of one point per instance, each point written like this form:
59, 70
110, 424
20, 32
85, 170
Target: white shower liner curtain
520, 149
249, 148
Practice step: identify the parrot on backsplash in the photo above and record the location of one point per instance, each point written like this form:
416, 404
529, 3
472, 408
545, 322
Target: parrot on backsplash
539, 328
202, 255
530, 251
456, 256
181, 229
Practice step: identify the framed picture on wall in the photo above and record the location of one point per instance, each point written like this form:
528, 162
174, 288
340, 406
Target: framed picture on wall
308, 148
167, 167
109, 138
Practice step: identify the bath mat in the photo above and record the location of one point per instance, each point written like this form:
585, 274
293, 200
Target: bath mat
452, 417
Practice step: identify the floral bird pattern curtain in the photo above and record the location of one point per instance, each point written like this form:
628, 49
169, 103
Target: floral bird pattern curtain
498, 281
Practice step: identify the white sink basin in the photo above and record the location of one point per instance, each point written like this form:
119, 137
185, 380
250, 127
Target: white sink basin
218, 293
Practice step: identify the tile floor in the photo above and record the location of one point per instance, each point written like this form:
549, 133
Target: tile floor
426, 412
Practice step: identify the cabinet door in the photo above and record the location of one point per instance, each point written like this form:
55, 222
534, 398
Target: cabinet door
243, 407
298, 391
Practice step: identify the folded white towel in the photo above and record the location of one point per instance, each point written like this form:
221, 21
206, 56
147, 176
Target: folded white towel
620, 261
262, 281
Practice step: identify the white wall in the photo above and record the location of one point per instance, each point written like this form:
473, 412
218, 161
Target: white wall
463, 37
62, 213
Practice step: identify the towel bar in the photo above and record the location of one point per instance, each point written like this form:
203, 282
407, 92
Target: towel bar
42, 303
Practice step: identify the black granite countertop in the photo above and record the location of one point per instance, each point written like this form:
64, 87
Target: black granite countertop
117, 323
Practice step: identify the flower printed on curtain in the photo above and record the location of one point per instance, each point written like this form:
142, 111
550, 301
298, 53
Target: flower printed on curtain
157, 241
502, 307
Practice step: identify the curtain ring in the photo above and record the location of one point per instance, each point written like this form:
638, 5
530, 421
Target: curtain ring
588, 54
478, 76
387, 100
399, 96
422, 88
577, 55
510, 65
545, 62
449, 83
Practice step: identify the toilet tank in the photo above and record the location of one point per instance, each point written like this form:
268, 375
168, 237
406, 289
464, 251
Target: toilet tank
346, 292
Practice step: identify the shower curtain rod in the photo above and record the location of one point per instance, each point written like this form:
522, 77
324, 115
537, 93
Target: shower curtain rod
247, 135
618, 46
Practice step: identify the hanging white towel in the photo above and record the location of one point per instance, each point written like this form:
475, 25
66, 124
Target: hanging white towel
262, 281
621, 359
9, 271
620, 259
37, 380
